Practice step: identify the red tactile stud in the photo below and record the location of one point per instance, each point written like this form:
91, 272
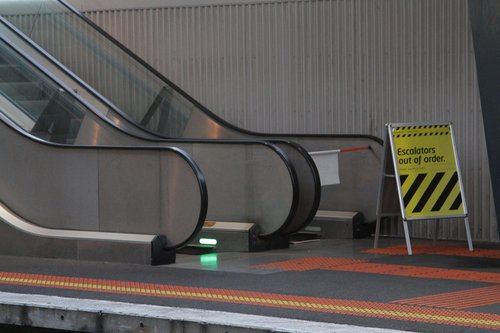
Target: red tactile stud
451, 250
364, 266
462, 299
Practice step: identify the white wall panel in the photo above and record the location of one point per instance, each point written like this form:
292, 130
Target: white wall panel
325, 66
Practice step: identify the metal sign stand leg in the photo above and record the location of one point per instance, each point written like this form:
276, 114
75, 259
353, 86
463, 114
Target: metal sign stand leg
379, 209
467, 231
407, 237
436, 230
380, 197
377, 232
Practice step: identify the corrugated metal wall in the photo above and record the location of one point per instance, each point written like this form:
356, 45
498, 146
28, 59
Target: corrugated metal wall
326, 66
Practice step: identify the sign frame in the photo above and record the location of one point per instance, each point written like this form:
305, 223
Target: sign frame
391, 169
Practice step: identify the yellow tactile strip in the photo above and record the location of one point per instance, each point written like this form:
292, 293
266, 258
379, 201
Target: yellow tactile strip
448, 250
299, 303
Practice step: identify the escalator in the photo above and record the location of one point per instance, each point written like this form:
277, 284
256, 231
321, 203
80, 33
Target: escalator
58, 201
65, 200
139, 96
249, 182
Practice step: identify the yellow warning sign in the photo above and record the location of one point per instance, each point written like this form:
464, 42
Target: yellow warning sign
428, 171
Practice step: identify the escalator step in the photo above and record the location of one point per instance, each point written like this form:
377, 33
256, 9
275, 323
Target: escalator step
34, 108
9, 73
22, 91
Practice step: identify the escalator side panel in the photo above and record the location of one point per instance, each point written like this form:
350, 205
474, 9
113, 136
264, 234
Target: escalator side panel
69, 188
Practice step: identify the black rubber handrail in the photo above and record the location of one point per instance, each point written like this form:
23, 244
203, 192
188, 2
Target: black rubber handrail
203, 108
317, 186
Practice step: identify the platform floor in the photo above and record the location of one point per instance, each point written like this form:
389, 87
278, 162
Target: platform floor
441, 288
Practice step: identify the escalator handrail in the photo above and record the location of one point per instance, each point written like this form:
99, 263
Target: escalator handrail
117, 111
316, 181
203, 108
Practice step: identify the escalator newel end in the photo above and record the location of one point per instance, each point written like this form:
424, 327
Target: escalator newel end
160, 255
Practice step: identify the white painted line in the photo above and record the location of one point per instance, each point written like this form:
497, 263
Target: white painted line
163, 313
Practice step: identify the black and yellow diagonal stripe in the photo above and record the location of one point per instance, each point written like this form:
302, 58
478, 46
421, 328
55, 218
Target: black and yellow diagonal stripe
421, 131
431, 194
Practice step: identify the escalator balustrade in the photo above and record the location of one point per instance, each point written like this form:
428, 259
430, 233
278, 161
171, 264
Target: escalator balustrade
49, 113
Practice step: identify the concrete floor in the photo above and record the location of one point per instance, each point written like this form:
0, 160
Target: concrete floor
441, 288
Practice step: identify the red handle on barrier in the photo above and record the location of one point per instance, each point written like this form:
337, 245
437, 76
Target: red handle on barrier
348, 150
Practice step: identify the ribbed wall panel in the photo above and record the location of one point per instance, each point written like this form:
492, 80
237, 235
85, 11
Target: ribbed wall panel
326, 66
